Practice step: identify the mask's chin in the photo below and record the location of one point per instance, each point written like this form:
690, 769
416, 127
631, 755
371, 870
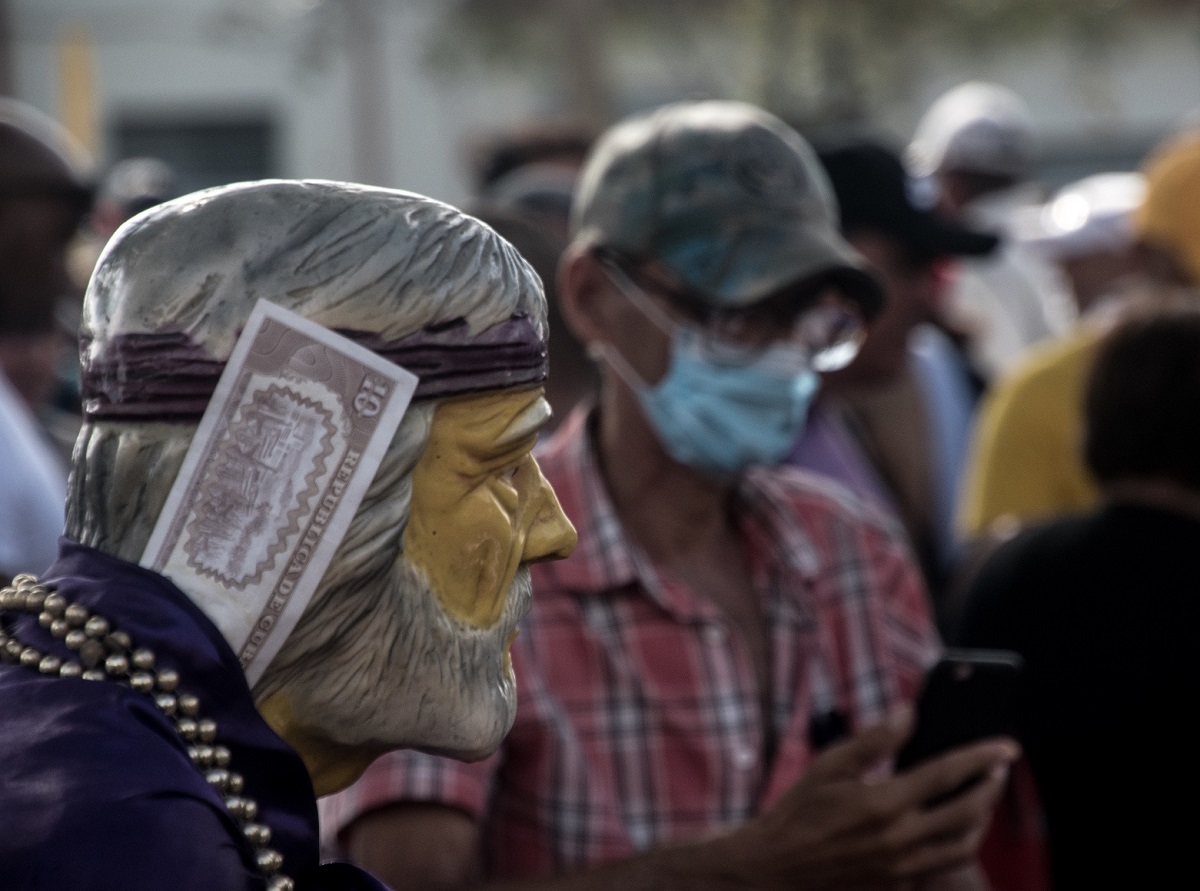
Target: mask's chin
482, 726
403, 673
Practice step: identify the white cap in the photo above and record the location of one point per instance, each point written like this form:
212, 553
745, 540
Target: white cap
976, 127
1092, 215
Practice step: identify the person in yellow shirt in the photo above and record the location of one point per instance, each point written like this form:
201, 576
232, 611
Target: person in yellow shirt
1026, 461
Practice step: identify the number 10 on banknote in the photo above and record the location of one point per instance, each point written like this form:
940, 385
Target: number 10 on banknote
288, 445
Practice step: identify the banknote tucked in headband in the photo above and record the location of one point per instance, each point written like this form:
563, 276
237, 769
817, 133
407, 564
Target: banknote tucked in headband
167, 376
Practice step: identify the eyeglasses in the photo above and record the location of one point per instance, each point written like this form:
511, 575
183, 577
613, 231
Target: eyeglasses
825, 335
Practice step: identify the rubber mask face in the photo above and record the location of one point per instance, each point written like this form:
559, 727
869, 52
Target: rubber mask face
481, 508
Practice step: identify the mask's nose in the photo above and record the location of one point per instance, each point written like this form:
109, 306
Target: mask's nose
551, 535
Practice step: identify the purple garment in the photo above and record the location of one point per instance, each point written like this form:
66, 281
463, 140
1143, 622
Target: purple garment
96, 789
828, 448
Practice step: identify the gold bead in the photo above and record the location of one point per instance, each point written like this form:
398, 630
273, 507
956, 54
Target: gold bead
45, 619
91, 653
55, 604
204, 756
186, 728
14, 648
49, 665
34, 599
141, 681
208, 729
257, 834
30, 657
75, 638
269, 861
76, 615
221, 756
235, 784
168, 680
217, 778
70, 670
59, 628
24, 580
143, 659
165, 703
96, 627
118, 642
280, 883
189, 705
93, 674
116, 665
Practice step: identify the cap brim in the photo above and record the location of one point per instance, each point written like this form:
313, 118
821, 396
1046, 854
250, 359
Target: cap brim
760, 262
859, 285
827, 256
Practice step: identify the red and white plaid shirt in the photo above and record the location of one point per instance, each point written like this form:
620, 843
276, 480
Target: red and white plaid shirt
639, 717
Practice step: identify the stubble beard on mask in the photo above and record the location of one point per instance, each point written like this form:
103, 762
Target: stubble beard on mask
387, 667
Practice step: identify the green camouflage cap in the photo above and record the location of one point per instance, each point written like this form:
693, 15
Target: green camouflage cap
728, 196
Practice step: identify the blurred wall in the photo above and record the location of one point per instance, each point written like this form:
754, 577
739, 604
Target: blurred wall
285, 64
303, 83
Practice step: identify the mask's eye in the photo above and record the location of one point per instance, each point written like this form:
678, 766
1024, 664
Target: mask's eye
509, 477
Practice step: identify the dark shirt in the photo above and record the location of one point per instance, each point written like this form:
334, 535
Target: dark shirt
1106, 611
96, 789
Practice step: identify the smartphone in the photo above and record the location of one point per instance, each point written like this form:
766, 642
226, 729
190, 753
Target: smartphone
969, 695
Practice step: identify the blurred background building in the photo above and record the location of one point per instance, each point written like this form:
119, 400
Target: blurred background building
396, 92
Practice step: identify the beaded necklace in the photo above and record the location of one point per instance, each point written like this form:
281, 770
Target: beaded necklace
105, 653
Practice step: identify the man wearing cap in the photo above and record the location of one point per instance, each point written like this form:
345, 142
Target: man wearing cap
892, 426
43, 197
1025, 462
974, 146
723, 619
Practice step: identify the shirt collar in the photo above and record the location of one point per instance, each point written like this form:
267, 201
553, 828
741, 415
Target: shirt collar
606, 559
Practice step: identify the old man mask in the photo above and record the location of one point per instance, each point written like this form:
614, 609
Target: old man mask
405, 640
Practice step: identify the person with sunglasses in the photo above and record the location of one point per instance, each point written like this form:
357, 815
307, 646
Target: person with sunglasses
712, 685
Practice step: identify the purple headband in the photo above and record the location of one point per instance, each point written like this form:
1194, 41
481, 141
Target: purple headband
168, 377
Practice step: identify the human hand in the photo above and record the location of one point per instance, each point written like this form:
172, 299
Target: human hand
840, 827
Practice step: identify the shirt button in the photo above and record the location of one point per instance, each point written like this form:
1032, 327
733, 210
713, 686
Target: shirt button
743, 758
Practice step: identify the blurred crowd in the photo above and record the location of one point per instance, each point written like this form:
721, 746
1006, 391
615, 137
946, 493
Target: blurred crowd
819, 412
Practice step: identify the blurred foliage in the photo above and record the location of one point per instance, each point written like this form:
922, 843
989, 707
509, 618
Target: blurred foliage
508, 29
849, 47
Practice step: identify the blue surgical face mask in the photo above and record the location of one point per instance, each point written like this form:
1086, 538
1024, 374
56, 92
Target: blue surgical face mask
721, 418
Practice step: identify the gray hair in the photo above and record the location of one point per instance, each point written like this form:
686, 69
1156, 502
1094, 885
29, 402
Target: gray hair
348, 257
